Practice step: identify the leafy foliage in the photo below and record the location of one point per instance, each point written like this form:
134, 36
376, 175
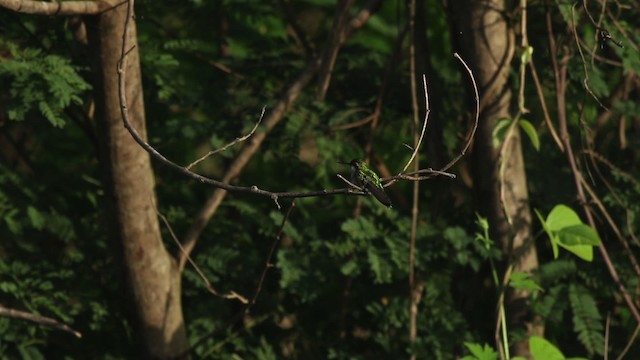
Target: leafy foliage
587, 321
338, 284
42, 82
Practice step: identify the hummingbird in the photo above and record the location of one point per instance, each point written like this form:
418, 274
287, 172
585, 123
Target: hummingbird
368, 180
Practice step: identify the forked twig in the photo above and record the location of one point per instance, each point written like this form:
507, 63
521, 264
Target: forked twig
207, 283
431, 173
234, 142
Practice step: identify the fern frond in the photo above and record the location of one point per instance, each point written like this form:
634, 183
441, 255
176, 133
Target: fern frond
587, 321
554, 271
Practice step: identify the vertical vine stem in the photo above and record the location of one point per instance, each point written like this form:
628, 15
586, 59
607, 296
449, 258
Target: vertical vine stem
414, 296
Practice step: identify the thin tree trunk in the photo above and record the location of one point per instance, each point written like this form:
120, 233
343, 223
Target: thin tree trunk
151, 273
488, 44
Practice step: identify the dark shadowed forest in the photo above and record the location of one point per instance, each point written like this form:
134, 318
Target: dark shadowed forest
316, 179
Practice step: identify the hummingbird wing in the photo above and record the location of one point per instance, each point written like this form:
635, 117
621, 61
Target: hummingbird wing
378, 193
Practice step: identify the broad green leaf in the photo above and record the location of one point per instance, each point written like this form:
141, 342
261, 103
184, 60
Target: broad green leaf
580, 234
564, 228
560, 217
584, 252
541, 349
528, 128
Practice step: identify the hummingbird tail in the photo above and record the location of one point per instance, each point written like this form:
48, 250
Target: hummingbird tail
379, 194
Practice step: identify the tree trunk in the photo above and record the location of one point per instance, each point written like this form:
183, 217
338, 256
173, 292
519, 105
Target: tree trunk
488, 45
151, 273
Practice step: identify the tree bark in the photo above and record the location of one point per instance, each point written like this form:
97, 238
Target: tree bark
488, 44
151, 273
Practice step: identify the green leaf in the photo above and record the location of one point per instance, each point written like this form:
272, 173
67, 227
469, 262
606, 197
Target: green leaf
499, 130
480, 352
350, 268
360, 228
541, 349
560, 217
580, 234
528, 129
37, 220
379, 266
523, 281
587, 321
565, 229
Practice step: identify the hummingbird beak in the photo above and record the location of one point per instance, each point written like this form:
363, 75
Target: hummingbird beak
343, 163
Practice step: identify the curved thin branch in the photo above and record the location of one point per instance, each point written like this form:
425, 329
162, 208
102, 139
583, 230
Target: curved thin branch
424, 125
234, 142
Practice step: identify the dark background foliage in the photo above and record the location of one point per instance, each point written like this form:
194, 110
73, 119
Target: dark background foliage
339, 285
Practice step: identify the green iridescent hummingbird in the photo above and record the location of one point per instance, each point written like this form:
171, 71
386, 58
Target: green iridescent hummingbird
368, 180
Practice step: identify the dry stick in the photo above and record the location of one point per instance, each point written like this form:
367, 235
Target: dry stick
418, 141
614, 227
38, 319
585, 82
234, 142
238, 315
414, 294
616, 24
336, 39
286, 100
212, 290
268, 263
339, 35
245, 154
629, 343
298, 33
560, 81
543, 104
475, 122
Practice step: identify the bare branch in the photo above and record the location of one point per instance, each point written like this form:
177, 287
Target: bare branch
234, 142
349, 182
38, 319
60, 8
273, 118
424, 125
475, 122
632, 339
584, 62
268, 263
469, 140
207, 283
